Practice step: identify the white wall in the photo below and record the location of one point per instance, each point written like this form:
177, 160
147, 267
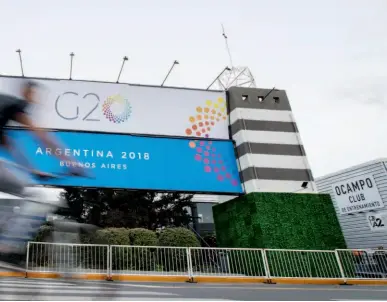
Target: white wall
355, 227
212, 198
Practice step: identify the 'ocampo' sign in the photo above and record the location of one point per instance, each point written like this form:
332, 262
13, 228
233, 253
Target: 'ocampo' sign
357, 194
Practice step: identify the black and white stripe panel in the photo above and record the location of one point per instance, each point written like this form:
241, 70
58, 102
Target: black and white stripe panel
270, 151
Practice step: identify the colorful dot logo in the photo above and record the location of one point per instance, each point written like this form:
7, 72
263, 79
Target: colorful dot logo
206, 153
117, 109
201, 124
203, 121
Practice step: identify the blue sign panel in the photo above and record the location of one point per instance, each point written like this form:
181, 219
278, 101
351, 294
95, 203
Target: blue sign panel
135, 162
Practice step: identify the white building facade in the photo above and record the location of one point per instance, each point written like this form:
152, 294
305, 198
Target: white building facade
359, 195
271, 155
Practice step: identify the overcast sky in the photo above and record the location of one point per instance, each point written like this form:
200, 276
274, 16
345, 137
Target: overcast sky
330, 56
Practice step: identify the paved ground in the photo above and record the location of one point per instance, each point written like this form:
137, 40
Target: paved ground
40, 289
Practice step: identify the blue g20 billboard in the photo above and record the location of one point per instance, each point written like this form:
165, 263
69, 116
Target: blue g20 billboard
137, 162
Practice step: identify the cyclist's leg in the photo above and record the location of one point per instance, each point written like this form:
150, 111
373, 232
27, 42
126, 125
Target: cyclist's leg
13, 235
10, 183
69, 268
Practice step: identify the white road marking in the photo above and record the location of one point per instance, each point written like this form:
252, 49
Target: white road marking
66, 290
31, 281
82, 290
83, 298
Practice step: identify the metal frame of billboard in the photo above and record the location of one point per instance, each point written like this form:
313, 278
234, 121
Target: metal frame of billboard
107, 82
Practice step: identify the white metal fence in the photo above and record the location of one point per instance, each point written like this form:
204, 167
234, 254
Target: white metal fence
149, 260
67, 258
206, 262
226, 262
303, 264
363, 264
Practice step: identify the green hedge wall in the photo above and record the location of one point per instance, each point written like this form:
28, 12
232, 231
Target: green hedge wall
279, 221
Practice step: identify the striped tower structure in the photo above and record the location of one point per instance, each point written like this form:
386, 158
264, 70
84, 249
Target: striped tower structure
269, 149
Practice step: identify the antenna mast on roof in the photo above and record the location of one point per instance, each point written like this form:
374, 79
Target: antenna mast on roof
227, 47
239, 76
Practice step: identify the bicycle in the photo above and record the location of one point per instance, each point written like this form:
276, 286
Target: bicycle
29, 214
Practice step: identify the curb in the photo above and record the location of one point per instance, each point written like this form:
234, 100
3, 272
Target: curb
229, 280
150, 278
12, 274
201, 279
58, 276
307, 281
366, 282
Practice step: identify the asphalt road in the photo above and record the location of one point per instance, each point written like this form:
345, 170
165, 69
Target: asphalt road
42, 289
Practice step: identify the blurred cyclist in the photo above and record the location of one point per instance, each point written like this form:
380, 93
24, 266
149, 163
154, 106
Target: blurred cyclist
16, 109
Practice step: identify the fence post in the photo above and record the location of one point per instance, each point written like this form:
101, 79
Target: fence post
340, 267
27, 259
266, 266
189, 264
109, 263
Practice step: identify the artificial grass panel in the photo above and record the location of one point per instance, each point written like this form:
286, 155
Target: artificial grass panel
278, 221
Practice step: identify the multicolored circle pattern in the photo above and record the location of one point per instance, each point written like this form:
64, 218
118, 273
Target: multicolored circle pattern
202, 122
206, 117
213, 162
124, 106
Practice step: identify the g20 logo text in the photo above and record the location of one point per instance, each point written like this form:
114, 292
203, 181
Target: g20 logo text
116, 108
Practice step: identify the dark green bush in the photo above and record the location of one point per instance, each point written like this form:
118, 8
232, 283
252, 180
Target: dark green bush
180, 237
209, 240
176, 237
44, 234
142, 237
112, 236
136, 258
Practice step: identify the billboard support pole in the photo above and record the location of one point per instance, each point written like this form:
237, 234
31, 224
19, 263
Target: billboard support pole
173, 65
21, 61
122, 67
226, 68
71, 64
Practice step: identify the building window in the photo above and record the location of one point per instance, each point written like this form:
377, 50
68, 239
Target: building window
205, 212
